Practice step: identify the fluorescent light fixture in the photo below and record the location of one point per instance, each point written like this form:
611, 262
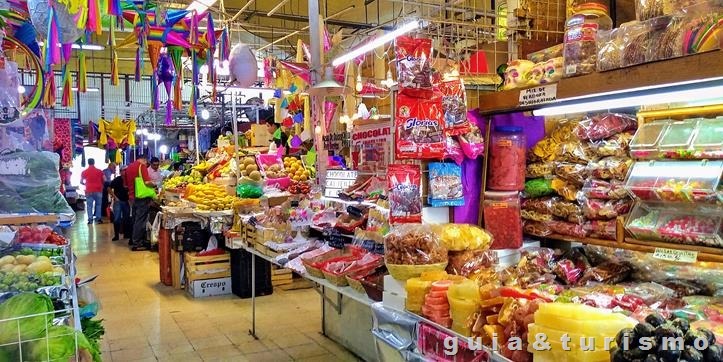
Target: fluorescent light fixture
412, 25
74, 89
675, 93
79, 46
205, 114
200, 5
277, 7
163, 149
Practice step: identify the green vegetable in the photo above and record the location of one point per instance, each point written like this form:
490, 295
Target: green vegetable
94, 331
58, 346
21, 305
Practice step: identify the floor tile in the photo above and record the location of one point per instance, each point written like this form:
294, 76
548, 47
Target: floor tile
270, 356
305, 350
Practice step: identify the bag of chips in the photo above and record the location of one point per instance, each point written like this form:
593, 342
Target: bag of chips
405, 197
414, 67
454, 106
445, 184
419, 128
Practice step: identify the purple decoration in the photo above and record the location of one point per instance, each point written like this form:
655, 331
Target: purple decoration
166, 75
534, 127
296, 142
471, 183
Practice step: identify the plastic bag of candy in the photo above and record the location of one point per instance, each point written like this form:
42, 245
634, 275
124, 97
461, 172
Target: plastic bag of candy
572, 172
414, 67
566, 210
605, 190
601, 229
466, 262
540, 169
541, 205
565, 189
610, 168
535, 228
567, 228
419, 128
617, 145
544, 150
605, 125
445, 184
453, 151
572, 266
454, 106
610, 272
538, 187
472, 142
595, 209
405, 197
575, 152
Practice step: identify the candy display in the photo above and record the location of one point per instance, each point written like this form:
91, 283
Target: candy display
676, 181
572, 172
540, 169
472, 142
420, 128
601, 229
414, 69
436, 304
507, 159
617, 145
594, 209
698, 226
445, 184
604, 125
610, 168
405, 198
580, 50
516, 74
461, 237
502, 219
575, 152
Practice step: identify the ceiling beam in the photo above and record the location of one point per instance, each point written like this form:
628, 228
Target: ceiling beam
305, 19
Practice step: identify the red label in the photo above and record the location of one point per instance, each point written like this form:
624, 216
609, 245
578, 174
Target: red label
584, 32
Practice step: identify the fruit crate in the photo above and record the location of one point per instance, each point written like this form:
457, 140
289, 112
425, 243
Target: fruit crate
281, 276
207, 267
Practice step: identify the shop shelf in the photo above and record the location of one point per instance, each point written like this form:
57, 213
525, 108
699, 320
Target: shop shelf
693, 225
708, 141
675, 142
644, 145
676, 181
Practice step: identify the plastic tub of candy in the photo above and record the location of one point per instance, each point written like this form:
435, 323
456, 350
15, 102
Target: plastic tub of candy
699, 225
708, 141
642, 222
644, 143
503, 220
676, 181
507, 159
675, 142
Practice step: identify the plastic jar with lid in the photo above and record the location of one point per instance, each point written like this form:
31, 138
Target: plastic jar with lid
507, 159
580, 49
502, 218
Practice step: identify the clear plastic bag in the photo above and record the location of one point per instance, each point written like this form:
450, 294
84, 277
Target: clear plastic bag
458, 237
445, 184
605, 125
601, 229
565, 189
617, 145
539, 169
572, 172
609, 49
575, 152
467, 262
538, 187
595, 209
541, 205
546, 54
567, 210
648, 9
567, 228
534, 215
610, 168
606, 190
536, 228
413, 244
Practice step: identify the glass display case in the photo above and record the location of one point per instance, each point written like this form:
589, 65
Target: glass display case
644, 145
695, 225
676, 181
708, 141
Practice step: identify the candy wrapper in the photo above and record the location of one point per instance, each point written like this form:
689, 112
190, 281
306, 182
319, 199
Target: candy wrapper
419, 128
405, 198
606, 190
605, 125
454, 106
572, 172
595, 209
414, 67
453, 151
472, 142
445, 184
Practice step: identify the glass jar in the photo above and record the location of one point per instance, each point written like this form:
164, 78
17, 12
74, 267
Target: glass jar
580, 49
502, 218
507, 159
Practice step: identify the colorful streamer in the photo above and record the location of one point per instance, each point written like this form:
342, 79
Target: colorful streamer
67, 96
82, 73
225, 45
176, 54
51, 51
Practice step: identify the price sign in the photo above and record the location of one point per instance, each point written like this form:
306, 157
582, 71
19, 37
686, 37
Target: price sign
538, 95
335, 238
338, 180
681, 256
373, 247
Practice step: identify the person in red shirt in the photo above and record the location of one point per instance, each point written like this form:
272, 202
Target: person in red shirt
139, 205
92, 178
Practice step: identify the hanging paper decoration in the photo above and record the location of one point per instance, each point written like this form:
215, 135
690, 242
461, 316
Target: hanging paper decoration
224, 45
116, 135
51, 52
82, 73
67, 96
166, 75
114, 75
49, 93
300, 70
242, 65
154, 52
62, 135
39, 14
93, 24
329, 112
92, 132
176, 54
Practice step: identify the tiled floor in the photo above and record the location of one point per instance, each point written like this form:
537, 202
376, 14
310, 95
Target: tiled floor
148, 321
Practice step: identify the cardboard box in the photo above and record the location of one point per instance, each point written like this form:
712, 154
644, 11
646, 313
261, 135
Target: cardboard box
209, 287
396, 287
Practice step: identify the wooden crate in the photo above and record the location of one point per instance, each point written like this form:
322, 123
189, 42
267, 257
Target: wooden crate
207, 267
176, 269
281, 276
297, 282
249, 233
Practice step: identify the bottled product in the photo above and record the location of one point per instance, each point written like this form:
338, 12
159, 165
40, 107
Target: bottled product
507, 159
502, 219
580, 49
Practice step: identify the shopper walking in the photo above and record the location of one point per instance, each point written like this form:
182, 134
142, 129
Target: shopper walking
140, 205
154, 171
108, 176
92, 178
121, 209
